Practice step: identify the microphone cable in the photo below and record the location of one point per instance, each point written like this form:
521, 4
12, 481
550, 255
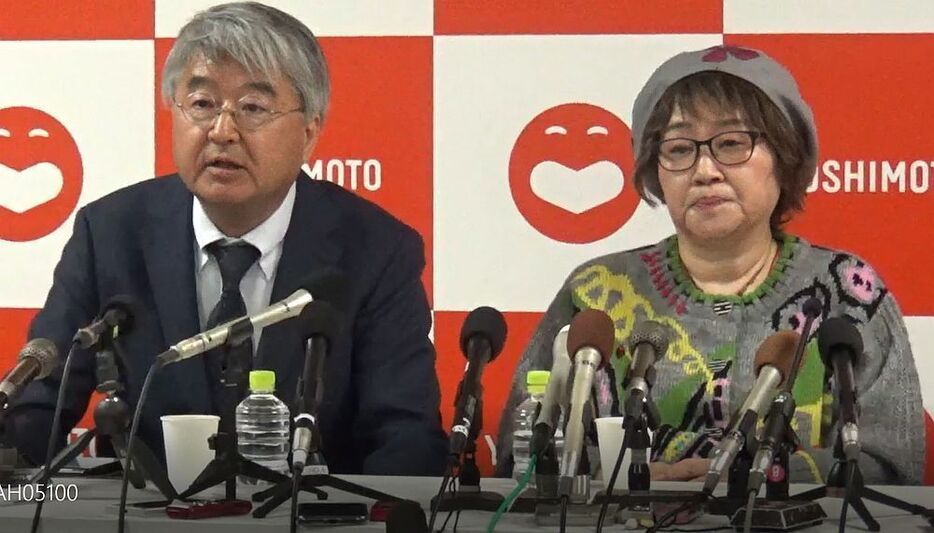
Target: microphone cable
448, 472
121, 520
604, 507
452, 488
750, 505
511, 497
563, 521
296, 483
53, 434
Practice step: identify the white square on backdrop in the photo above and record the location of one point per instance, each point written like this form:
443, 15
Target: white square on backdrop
487, 251
324, 17
101, 93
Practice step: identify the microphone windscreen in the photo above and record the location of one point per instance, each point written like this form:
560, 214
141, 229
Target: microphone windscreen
44, 352
406, 517
811, 307
487, 322
319, 318
835, 333
129, 310
594, 329
652, 333
778, 350
329, 284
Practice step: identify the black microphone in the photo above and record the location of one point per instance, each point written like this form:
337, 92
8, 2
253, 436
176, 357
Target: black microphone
118, 312
482, 338
36, 360
841, 346
320, 324
647, 343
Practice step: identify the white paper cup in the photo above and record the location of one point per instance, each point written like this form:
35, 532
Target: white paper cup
610, 439
186, 446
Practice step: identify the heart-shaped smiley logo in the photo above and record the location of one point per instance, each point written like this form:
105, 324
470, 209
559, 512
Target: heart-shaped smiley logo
41, 174
568, 170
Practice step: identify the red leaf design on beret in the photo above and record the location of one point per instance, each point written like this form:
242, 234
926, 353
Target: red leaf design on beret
718, 54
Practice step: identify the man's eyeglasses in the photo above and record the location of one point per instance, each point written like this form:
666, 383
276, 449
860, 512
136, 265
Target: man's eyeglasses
728, 148
248, 115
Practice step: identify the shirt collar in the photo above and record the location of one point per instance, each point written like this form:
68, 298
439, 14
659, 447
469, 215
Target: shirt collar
266, 237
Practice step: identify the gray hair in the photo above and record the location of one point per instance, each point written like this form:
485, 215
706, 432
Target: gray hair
261, 39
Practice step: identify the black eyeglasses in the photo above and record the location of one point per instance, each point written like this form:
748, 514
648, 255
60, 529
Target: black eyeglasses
728, 148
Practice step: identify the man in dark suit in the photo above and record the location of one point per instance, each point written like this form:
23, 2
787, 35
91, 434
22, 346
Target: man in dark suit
238, 227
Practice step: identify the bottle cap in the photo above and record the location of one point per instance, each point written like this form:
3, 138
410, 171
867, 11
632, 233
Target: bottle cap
537, 380
262, 381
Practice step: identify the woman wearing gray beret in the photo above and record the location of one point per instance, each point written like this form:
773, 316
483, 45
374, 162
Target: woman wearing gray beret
723, 138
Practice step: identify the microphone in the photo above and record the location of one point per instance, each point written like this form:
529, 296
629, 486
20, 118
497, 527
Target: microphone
841, 346
773, 363
556, 395
325, 285
119, 312
647, 344
36, 360
482, 338
590, 339
783, 406
320, 324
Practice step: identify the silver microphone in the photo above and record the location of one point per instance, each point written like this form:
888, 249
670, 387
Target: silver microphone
217, 336
556, 392
36, 360
773, 362
647, 344
328, 284
590, 339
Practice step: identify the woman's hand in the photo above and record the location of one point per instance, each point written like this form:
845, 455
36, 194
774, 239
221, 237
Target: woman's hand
684, 470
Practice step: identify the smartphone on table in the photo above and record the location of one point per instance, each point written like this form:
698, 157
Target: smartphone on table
332, 513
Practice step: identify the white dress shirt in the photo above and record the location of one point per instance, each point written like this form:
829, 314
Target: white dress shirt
256, 285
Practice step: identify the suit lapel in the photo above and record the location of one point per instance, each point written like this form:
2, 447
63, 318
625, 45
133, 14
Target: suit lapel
168, 251
311, 243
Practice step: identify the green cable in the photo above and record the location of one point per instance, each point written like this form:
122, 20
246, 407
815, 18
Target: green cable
507, 502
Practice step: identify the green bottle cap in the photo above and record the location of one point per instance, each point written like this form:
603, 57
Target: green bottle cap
262, 381
537, 380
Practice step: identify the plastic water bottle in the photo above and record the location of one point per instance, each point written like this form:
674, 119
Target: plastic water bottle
263, 425
524, 420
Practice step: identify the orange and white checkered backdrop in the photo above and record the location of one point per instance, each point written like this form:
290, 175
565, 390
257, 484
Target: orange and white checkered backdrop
438, 114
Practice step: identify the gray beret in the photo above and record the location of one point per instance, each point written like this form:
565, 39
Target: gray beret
751, 65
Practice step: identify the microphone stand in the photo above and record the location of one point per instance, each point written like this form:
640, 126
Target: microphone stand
547, 472
836, 487
283, 489
778, 511
9, 456
112, 418
468, 496
228, 463
545, 500
737, 481
636, 439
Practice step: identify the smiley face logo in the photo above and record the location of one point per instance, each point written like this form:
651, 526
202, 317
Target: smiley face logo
40, 174
569, 171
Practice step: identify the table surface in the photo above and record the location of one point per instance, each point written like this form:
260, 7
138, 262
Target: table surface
95, 510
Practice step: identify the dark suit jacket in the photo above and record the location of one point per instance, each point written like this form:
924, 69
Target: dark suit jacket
380, 412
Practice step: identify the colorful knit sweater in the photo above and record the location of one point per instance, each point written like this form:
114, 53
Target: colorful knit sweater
708, 369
